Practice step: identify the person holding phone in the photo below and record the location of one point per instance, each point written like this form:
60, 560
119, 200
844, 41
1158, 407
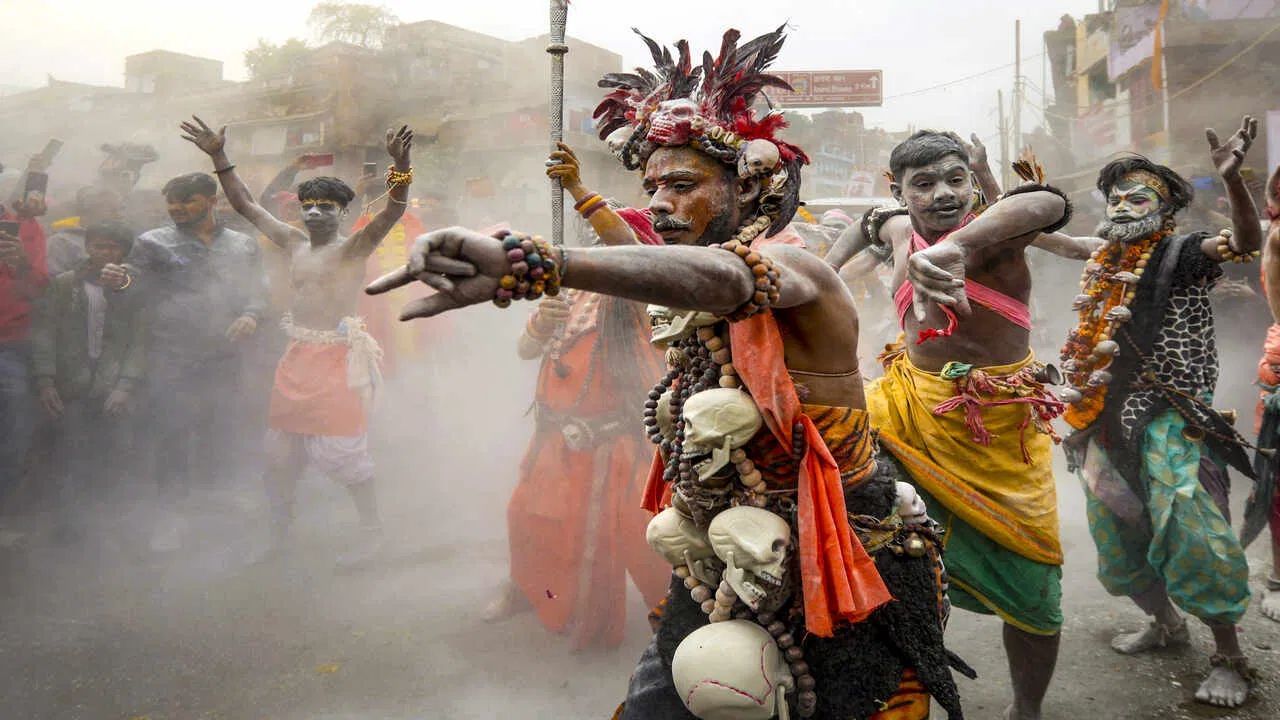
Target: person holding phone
23, 276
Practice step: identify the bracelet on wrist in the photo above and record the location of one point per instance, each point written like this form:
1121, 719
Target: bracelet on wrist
1228, 254
534, 269
219, 171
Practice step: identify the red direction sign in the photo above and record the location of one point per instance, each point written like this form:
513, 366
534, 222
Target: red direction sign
831, 88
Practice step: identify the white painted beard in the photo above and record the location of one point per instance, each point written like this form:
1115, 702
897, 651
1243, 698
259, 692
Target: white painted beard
1131, 231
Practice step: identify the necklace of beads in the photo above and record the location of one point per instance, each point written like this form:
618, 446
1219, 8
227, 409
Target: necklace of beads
1108, 286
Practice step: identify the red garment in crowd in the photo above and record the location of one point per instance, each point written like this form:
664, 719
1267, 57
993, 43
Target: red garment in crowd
402, 343
15, 300
310, 395
575, 523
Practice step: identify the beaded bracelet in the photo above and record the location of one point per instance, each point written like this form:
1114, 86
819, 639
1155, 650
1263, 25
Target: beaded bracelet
396, 179
534, 271
1229, 255
767, 285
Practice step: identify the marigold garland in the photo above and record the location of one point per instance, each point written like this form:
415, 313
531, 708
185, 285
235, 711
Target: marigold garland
1108, 286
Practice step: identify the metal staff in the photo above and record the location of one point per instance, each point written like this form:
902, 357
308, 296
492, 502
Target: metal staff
557, 49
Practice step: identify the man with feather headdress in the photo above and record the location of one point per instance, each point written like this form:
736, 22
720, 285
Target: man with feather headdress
795, 550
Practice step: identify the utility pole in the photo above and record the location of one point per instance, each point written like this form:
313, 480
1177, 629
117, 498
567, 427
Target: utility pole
1004, 145
1017, 86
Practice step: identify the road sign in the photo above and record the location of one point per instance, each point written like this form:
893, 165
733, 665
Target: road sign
831, 88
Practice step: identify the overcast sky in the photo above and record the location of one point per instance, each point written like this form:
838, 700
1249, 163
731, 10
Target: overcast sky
918, 43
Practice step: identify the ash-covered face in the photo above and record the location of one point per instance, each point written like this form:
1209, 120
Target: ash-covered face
1131, 200
321, 216
938, 195
694, 198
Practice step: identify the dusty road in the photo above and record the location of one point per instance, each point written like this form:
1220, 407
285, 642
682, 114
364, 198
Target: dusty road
109, 631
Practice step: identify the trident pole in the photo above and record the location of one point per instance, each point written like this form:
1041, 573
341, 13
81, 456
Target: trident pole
557, 49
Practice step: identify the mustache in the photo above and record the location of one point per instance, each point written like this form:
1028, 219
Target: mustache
666, 223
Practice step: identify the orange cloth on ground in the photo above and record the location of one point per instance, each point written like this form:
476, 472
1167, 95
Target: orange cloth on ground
310, 395
574, 526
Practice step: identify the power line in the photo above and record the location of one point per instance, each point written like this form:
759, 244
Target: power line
957, 81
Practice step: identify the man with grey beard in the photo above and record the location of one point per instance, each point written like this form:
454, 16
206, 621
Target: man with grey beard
1142, 366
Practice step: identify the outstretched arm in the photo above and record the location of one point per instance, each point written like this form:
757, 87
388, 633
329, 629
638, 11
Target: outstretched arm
1228, 157
937, 272
694, 278
365, 240
238, 195
851, 242
1067, 246
611, 228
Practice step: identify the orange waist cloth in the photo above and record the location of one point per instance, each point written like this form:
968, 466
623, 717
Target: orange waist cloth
845, 431
310, 395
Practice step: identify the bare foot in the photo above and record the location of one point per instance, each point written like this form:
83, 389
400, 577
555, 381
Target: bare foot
1225, 686
1155, 635
510, 601
1271, 605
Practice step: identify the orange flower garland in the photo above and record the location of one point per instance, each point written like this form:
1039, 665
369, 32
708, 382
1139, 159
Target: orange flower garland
1108, 286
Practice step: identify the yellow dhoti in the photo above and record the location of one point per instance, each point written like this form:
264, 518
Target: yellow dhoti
976, 442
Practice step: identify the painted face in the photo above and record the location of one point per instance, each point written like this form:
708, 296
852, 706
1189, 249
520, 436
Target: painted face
1130, 200
102, 251
321, 215
938, 195
191, 210
692, 197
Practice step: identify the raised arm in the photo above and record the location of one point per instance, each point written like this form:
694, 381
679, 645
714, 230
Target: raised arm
280, 183
1067, 246
611, 228
366, 239
465, 267
981, 168
238, 195
1228, 157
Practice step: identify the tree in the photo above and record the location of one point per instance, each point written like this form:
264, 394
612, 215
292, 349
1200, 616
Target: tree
268, 59
356, 23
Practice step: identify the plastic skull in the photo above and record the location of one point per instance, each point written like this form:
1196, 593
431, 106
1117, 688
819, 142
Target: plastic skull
677, 539
672, 122
731, 670
758, 157
717, 422
754, 545
910, 505
670, 325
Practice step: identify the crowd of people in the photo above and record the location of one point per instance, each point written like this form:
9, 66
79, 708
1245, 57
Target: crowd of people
808, 529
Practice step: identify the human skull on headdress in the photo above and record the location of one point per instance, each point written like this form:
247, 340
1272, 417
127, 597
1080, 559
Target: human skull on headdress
731, 670
672, 122
754, 545
712, 105
717, 422
682, 543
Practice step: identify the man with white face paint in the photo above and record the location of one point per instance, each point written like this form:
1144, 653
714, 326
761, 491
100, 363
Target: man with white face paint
1142, 366
328, 375
962, 406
